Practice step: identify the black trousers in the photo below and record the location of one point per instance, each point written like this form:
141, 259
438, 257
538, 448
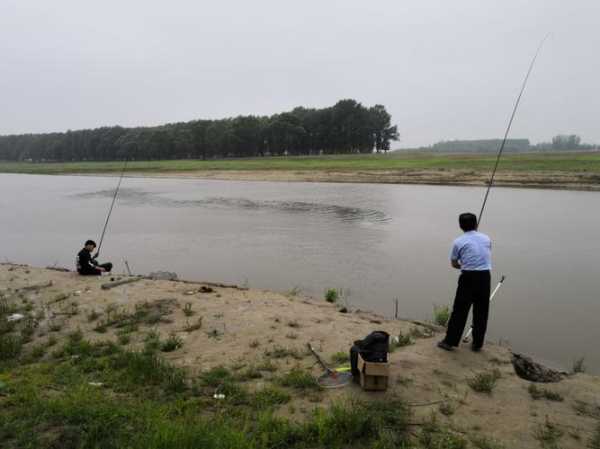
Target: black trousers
94, 272
473, 289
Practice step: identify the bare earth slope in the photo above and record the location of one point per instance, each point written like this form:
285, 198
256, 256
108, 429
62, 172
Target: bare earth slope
241, 328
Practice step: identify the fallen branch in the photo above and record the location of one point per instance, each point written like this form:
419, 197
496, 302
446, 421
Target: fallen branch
61, 269
37, 286
114, 284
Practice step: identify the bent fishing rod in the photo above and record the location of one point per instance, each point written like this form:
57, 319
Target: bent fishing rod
512, 116
112, 205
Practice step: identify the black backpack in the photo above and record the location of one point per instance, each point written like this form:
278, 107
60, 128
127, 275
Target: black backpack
373, 348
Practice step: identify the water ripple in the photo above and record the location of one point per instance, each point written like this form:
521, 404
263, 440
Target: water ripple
344, 213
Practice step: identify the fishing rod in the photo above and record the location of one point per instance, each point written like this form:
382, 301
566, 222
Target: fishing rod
512, 116
111, 208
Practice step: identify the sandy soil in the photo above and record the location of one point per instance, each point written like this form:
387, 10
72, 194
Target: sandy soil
240, 326
539, 179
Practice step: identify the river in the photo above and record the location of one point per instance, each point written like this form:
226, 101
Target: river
376, 242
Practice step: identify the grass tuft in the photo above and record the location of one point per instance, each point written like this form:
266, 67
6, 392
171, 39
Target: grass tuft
187, 309
594, 442
548, 434
579, 366
279, 352
216, 376
339, 358
484, 382
331, 295
481, 442
172, 343
441, 315
93, 316
434, 436
539, 393
270, 397
10, 346
299, 379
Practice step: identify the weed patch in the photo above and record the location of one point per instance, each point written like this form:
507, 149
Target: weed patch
434, 436
548, 435
543, 393
278, 352
331, 295
270, 397
299, 379
481, 442
441, 315
340, 358
10, 346
171, 344
216, 376
484, 382
579, 366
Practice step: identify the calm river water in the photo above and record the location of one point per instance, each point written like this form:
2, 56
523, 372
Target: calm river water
377, 242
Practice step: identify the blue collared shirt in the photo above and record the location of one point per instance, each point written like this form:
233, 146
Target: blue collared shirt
473, 250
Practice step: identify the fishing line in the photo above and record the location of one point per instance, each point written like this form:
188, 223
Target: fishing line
111, 207
512, 116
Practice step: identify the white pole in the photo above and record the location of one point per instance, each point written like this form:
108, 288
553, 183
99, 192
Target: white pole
467, 336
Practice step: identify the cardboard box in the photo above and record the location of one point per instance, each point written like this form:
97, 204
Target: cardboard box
373, 376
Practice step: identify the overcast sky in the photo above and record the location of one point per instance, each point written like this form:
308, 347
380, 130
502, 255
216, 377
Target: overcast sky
444, 69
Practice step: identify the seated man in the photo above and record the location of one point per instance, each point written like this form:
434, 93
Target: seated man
87, 265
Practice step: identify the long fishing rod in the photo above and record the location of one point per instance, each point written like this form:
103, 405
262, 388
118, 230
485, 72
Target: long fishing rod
512, 116
112, 204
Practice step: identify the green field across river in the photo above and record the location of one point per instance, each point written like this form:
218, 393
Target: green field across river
565, 162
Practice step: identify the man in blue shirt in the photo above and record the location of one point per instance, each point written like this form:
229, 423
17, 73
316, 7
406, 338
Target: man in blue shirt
471, 253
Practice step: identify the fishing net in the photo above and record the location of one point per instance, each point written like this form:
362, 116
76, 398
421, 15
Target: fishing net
335, 379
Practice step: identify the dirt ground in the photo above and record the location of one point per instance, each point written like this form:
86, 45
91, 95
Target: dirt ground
530, 179
237, 327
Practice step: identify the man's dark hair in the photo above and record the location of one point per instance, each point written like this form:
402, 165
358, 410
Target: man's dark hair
467, 221
90, 242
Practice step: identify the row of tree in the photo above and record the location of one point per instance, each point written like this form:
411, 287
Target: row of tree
571, 142
480, 146
346, 127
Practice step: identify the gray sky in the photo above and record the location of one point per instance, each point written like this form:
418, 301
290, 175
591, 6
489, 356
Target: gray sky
444, 69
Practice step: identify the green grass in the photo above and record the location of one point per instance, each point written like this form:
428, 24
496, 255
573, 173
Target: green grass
580, 162
100, 395
331, 295
441, 315
484, 382
340, 358
299, 379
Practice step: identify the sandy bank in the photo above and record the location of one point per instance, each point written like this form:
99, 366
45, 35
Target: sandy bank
558, 180
239, 328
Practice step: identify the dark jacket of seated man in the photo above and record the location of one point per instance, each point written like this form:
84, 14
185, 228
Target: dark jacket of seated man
87, 265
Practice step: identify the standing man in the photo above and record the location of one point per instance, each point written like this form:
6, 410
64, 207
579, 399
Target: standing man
471, 253
87, 265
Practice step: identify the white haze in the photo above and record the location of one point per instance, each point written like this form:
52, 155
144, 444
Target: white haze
443, 69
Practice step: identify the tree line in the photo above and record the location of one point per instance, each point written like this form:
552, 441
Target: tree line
571, 142
346, 127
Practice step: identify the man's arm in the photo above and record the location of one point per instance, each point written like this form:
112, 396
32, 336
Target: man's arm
455, 256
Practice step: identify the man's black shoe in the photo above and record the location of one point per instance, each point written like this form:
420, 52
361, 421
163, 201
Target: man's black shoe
475, 348
443, 345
